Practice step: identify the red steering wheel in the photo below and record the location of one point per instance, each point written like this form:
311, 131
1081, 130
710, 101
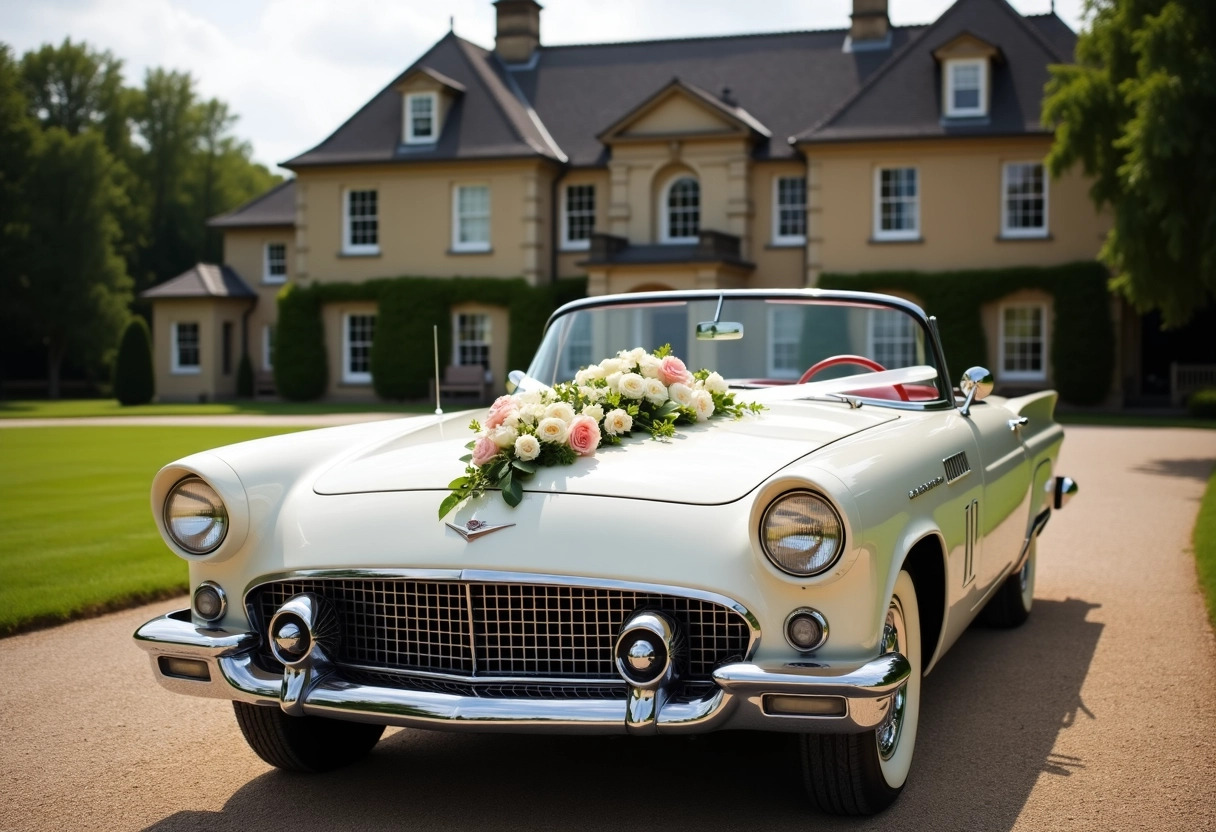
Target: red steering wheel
856, 360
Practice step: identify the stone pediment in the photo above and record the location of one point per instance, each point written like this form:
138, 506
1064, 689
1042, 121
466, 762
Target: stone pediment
681, 111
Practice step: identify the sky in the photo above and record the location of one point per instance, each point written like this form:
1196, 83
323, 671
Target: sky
294, 70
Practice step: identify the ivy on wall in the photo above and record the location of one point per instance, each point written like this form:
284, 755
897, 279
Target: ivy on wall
407, 307
1082, 332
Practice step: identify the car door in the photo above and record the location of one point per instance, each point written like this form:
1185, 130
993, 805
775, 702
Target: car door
1006, 474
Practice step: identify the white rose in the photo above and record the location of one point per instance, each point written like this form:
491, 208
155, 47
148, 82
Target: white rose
716, 384
681, 393
594, 411
649, 366
588, 374
560, 410
531, 397
703, 403
512, 420
617, 422
552, 430
612, 365
614, 382
504, 436
530, 414
656, 393
635, 356
527, 447
633, 386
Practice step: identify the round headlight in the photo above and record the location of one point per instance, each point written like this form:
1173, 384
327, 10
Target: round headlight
801, 533
195, 516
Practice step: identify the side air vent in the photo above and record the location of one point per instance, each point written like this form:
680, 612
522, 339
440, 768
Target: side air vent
956, 466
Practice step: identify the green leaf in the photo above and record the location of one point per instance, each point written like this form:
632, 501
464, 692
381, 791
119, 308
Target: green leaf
449, 502
458, 483
467, 458
470, 445
512, 492
525, 467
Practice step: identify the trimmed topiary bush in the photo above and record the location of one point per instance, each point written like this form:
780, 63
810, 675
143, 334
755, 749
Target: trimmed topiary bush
1202, 404
244, 377
301, 372
134, 377
1082, 332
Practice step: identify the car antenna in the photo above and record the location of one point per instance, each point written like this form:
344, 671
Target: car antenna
438, 408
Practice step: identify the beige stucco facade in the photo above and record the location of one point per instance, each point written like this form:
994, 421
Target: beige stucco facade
245, 250
960, 186
219, 348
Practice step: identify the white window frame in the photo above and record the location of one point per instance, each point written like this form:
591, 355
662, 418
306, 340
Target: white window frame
349, 376
981, 108
362, 248
567, 243
177, 368
267, 347
1030, 233
770, 348
477, 245
488, 342
410, 138
872, 337
894, 234
1023, 375
780, 239
664, 211
267, 277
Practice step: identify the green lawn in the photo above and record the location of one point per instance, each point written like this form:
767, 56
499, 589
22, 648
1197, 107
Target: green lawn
76, 529
1205, 547
1131, 419
68, 408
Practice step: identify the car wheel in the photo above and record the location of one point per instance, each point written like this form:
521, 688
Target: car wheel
304, 743
861, 774
1010, 606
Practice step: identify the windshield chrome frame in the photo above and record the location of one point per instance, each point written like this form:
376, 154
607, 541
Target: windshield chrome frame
927, 323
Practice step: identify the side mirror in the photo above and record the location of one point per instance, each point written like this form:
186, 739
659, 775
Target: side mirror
719, 331
1063, 490
976, 384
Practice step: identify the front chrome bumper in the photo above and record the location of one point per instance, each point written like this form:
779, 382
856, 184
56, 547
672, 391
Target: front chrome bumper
801, 697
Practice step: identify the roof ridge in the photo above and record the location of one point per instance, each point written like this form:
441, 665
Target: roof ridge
742, 36
1038, 36
486, 77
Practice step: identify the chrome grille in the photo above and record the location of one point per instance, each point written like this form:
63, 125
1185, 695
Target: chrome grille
504, 629
956, 466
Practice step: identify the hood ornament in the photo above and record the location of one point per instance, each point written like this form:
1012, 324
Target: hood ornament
477, 528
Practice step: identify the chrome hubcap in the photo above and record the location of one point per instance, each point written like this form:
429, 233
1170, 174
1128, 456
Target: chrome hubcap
889, 729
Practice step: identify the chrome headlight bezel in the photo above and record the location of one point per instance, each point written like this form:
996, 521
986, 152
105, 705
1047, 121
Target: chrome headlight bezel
837, 526
222, 516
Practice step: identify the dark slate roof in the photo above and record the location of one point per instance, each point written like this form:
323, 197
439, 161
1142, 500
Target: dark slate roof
204, 280
558, 104
727, 108
275, 207
903, 99
488, 120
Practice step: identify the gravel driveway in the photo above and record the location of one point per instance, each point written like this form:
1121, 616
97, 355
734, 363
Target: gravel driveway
1097, 715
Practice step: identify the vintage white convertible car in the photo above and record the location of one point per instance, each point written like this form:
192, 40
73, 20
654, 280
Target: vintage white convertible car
796, 570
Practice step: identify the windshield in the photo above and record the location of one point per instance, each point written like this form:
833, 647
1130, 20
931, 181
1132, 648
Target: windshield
783, 339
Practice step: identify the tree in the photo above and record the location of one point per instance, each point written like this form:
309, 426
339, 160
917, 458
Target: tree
76, 88
134, 380
1130, 112
71, 288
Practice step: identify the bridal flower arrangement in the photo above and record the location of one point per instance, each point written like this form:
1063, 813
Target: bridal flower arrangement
631, 392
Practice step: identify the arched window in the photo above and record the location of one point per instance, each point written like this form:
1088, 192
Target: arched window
682, 210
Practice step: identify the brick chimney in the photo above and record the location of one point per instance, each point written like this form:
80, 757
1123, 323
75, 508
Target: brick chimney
871, 27
518, 30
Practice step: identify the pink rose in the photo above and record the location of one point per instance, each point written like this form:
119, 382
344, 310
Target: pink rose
672, 371
584, 435
485, 450
499, 411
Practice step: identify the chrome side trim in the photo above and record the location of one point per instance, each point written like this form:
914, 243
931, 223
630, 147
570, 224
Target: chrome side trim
1036, 528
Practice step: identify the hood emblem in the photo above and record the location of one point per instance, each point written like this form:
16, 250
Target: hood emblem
477, 528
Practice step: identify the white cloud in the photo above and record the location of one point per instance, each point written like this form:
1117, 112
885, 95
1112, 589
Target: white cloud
294, 70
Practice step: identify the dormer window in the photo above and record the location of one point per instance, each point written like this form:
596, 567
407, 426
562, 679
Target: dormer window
421, 117
967, 87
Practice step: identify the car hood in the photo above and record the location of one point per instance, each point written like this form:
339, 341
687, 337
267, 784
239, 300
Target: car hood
706, 464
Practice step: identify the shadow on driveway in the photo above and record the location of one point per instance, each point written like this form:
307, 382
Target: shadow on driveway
991, 713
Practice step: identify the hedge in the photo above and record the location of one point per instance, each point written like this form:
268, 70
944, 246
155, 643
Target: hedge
1202, 404
134, 378
1082, 332
402, 356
